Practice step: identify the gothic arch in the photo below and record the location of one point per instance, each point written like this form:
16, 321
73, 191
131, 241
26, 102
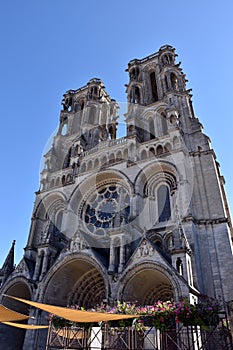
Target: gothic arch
83, 167
167, 147
153, 86
134, 73
156, 180
66, 162
135, 95
57, 183
147, 283
89, 290
118, 156
159, 150
89, 165
104, 161
126, 154
56, 205
156, 238
143, 154
164, 126
73, 280
111, 159
167, 58
151, 128
151, 152
96, 163
169, 240
157, 169
88, 185
79, 105
63, 127
174, 81
163, 202
131, 147
45, 213
20, 288
47, 201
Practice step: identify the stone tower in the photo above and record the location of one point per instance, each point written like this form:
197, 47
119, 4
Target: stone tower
137, 218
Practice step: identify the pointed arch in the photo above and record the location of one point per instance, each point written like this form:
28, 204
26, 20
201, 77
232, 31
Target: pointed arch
164, 206
79, 271
135, 94
96, 163
83, 167
66, 162
151, 152
89, 165
143, 155
126, 154
118, 156
174, 81
159, 150
154, 89
164, 123
151, 125
104, 161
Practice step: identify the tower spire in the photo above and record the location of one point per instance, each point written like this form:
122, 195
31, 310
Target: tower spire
8, 265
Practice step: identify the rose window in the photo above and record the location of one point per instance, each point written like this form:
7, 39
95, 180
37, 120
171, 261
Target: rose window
108, 207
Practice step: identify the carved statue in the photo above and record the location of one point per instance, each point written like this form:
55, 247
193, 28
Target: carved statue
67, 102
112, 131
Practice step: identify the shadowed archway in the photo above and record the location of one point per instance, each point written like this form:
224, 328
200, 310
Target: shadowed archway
147, 286
11, 337
76, 282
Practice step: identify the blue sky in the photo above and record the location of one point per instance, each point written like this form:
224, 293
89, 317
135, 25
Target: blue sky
50, 46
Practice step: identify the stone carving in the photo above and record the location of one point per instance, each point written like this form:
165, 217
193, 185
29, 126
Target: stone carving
77, 243
22, 268
145, 250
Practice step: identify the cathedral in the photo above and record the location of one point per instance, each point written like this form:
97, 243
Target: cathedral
141, 217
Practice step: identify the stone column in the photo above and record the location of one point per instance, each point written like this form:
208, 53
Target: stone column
37, 268
122, 257
111, 266
133, 206
45, 265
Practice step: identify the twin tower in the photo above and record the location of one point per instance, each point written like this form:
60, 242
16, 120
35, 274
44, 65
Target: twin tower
139, 218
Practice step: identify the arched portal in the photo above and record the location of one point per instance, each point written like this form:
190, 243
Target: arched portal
147, 286
11, 337
89, 290
77, 282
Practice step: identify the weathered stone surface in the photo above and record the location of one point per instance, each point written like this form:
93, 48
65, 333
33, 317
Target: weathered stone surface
137, 218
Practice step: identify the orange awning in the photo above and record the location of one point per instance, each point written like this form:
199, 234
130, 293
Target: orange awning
10, 315
73, 315
25, 326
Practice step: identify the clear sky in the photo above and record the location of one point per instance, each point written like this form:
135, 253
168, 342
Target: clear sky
51, 46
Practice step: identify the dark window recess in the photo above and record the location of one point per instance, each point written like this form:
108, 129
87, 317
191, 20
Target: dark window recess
151, 129
164, 207
164, 123
137, 95
66, 163
174, 81
154, 90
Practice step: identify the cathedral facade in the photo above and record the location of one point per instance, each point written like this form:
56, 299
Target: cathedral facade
139, 218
